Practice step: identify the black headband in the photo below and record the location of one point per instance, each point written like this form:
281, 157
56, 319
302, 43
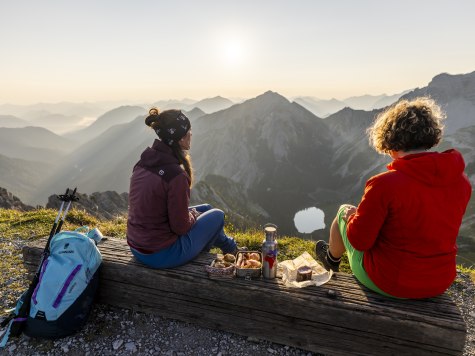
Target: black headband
175, 130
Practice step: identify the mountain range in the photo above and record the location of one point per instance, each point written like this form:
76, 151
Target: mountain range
323, 108
261, 160
67, 118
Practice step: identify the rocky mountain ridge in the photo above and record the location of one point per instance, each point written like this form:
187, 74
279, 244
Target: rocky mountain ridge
10, 201
103, 205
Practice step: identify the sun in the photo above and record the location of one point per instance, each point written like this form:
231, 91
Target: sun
232, 47
233, 52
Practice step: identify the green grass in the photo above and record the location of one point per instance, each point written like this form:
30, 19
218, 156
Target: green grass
37, 223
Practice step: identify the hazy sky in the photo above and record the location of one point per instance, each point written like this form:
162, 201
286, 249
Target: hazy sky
92, 50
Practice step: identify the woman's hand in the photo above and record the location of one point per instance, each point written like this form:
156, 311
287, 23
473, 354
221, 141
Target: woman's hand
195, 213
349, 210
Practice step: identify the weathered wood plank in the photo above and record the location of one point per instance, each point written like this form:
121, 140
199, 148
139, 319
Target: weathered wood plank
357, 320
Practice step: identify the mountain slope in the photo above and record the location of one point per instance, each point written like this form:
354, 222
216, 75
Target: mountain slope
11, 121
230, 197
464, 141
319, 107
57, 123
120, 115
194, 113
34, 144
21, 177
211, 105
370, 102
103, 163
353, 160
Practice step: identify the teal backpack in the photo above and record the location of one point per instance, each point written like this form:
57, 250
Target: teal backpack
66, 288
60, 296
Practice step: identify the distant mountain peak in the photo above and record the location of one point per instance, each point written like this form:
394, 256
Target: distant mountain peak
443, 78
272, 96
210, 105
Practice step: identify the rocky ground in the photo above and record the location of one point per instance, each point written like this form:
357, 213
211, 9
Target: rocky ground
113, 331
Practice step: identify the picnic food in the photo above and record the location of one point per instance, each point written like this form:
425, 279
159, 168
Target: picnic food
252, 264
222, 264
223, 261
254, 256
229, 258
249, 260
220, 268
219, 265
304, 273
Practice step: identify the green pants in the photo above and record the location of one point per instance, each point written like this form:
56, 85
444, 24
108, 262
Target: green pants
355, 257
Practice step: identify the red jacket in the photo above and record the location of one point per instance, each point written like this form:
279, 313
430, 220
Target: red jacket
407, 223
159, 196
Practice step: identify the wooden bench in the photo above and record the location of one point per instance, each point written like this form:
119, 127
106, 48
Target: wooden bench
348, 320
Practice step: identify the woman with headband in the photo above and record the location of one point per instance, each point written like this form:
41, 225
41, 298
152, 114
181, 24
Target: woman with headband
162, 230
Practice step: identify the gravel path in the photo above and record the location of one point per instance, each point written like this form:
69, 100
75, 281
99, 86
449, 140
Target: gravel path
114, 331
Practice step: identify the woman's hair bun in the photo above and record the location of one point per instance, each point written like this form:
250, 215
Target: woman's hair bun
153, 115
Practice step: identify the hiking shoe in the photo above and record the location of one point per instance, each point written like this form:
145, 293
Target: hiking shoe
321, 250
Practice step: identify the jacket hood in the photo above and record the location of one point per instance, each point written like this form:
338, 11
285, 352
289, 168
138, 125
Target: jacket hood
431, 168
158, 155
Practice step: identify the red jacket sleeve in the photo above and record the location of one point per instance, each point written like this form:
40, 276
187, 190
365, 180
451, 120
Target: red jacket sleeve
364, 225
179, 217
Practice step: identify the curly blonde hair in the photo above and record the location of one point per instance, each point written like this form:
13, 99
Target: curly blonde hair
407, 125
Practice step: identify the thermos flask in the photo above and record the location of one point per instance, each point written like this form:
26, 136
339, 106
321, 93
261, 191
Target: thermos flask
269, 251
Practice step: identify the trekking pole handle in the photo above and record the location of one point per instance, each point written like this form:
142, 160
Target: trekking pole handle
72, 197
55, 225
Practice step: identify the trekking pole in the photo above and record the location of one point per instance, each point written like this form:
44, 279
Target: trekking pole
69, 198
63, 198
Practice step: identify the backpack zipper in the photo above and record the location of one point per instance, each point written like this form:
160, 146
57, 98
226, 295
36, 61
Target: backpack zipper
66, 284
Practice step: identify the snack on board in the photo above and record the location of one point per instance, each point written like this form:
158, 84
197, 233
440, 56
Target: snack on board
249, 260
304, 273
248, 264
220, 268
254, 256
229, 258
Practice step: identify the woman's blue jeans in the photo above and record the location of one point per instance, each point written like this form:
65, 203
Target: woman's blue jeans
206, 232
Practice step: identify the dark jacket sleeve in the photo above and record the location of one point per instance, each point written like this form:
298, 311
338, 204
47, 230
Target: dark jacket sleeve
180, 219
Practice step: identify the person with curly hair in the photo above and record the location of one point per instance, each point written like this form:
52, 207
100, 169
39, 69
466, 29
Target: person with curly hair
162, 230
401, 239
